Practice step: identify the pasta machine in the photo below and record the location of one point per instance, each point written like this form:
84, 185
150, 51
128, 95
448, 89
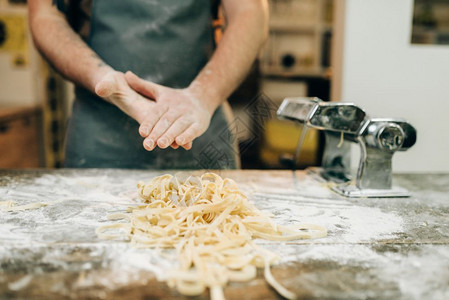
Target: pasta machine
346, 123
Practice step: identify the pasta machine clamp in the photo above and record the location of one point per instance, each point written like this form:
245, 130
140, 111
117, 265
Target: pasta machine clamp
346, 123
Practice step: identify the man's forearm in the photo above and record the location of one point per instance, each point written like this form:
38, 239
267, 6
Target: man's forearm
63, 48
73, 58
245, 33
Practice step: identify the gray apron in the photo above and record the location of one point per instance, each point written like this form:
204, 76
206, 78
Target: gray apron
167, 42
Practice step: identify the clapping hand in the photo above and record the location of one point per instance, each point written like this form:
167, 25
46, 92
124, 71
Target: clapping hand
176, 116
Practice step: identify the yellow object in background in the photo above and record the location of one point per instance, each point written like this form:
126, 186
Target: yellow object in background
13, 38
281, 138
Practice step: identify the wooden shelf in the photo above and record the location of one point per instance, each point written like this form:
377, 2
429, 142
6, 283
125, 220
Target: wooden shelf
288, 26
13, 112
280, 72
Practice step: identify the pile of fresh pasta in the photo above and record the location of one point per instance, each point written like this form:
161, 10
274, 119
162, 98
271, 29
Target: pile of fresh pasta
211, 224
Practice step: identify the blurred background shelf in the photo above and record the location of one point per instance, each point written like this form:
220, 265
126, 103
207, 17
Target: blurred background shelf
20, 136
33, 98
295, 62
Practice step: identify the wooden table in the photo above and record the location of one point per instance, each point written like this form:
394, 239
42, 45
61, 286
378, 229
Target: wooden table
376, 248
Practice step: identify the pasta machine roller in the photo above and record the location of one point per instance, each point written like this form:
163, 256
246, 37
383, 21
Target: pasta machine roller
346, 123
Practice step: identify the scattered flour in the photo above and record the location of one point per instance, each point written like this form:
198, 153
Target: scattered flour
80, 204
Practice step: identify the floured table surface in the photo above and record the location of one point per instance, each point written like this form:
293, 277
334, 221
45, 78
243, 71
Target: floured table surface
375, 249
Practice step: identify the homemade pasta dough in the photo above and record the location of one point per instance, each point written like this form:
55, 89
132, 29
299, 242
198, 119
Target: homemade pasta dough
211, 224
10, 206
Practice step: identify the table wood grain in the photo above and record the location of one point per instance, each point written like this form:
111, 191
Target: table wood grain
375, 249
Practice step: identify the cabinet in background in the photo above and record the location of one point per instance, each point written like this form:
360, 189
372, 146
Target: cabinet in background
20, 138
295, 62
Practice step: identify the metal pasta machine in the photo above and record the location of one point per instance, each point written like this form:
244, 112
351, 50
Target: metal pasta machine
346, 123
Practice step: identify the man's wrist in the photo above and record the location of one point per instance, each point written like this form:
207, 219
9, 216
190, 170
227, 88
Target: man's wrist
209, 98
99, 75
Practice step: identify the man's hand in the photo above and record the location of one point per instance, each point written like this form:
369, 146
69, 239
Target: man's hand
114, 89
177, 116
